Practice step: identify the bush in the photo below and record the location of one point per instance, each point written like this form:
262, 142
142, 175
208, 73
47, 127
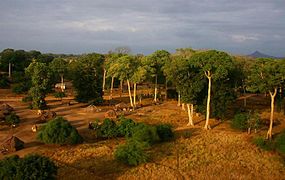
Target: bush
108, 129
4, 82
145, 133
262, 143
246, 120
126, 126
59, 95
164, 132
21, 88
59, 131
240, 121
9, 167
279, 143
27, 99
131, 153
30, 167
12, 119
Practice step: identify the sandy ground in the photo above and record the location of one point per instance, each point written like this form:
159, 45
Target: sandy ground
221, 153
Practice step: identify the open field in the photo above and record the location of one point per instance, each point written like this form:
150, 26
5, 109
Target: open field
220, 153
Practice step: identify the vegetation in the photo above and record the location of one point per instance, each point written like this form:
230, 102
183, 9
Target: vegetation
131, 153
279, 142
126, 126
12, 119
108, 129
164, 132
59, 131
29, 167
145, 133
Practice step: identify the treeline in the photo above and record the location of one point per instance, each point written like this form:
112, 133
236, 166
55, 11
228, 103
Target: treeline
206, 81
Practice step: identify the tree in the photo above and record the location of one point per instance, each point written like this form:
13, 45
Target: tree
32, 166
215, 65
59, 131
124, 69
41, 83
155, 62
87, 77
59, 67
139, 74
7, 59
267, 75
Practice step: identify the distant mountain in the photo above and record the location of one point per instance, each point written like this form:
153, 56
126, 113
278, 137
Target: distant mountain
258, 54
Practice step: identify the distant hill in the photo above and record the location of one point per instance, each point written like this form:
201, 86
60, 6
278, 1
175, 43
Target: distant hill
258, 54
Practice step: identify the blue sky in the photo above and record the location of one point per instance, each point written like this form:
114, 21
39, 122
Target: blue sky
82, 26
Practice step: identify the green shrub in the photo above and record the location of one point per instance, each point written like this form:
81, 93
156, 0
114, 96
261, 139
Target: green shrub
126, 126
279, 143
131, 153
107, 129
145, 133
240, 121
9, 167
59, 131
164, 132
37, 167
20, 88
59, 95
12, 119
29, 167
4, 82
27, 99
262, 143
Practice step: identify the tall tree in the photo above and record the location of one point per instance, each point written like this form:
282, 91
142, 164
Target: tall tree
215, 65
41, 83
155, 62
59, 67
124, 69
86, 77
267, 75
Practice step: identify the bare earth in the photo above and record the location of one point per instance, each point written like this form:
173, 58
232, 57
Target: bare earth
220, 153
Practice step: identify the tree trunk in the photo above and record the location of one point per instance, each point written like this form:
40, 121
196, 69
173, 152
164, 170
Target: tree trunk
130, 94
207, 126
112, 85
165, 90
155, 89
104, 80
121, 88
10, 70
62, 82
183, 106
190, 115
244, 99
269, 132
135, 89
179, 99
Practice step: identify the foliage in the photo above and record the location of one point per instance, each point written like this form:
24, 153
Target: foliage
41, 83
58, 66
27, 99
87, 77
125, 126
12, 119
131, 153
263, 143
59, 131
4, 82
145, 133
246, 120
164, 132
29, 167
22, 87
107, 129
59, 95
279, 142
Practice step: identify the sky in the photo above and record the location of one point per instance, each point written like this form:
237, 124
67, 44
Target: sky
83, 26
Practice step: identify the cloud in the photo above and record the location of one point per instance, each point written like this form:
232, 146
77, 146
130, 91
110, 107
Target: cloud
72, 26
242, 38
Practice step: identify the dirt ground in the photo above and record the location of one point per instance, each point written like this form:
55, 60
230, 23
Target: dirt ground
220, 153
